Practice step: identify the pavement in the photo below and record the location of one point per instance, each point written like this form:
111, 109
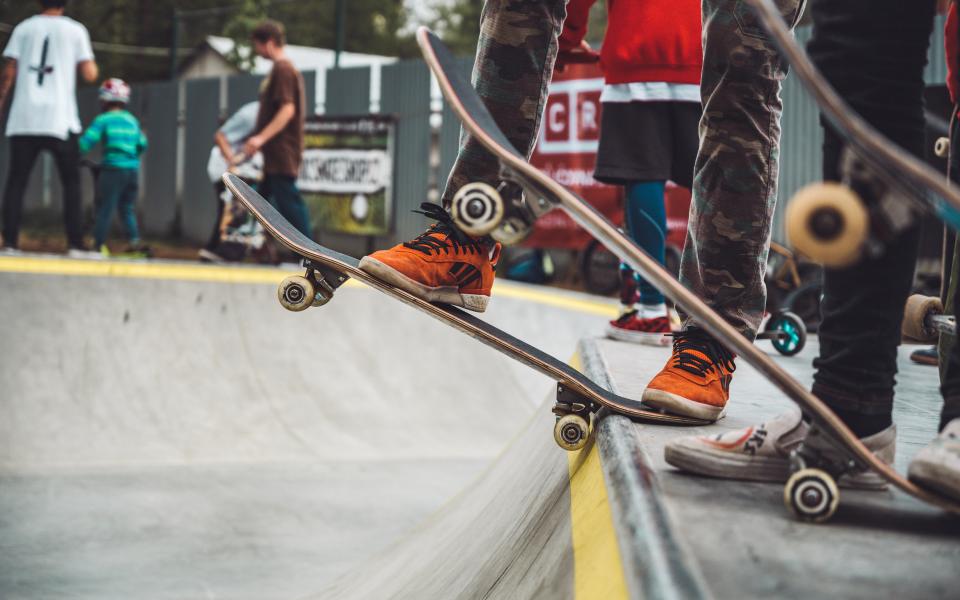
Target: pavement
168, 431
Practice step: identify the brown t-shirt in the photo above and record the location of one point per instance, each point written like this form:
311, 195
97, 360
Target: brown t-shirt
282, 154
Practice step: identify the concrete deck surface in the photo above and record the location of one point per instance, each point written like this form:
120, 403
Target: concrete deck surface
879, 544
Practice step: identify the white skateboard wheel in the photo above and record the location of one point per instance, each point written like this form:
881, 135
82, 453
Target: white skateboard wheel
811, 495
296, 293
571, 432
915, 314
941, 148
477, 209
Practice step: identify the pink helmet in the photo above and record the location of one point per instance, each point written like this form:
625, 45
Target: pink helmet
115, 90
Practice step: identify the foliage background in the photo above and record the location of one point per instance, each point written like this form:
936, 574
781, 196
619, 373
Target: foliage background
143, 29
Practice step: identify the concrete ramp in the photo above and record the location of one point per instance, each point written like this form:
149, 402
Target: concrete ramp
169, 431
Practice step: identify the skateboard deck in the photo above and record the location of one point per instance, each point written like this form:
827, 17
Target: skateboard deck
811, 492
577, 395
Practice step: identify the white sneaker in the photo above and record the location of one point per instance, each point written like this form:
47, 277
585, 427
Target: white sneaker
84, 254
937, 465
209, 256
762, 452
10, 251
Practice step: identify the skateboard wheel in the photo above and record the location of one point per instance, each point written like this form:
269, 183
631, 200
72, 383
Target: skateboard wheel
915, 314
477, 209
571, 432
794, 330
296, 293
828, 223
811, 495
941, 147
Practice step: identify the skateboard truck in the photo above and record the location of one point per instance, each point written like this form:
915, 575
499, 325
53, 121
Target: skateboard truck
315, 288
811, 492
574, 418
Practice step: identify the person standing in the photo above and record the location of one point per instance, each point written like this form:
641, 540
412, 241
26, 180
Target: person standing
651, 60
279, 129
118, 184
43, 56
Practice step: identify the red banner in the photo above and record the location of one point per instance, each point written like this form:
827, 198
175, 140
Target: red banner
567, 152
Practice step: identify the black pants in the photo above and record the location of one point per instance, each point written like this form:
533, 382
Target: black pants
24, 150
873, 52
950, 385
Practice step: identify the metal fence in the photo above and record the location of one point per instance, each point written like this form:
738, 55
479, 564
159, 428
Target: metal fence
181, 117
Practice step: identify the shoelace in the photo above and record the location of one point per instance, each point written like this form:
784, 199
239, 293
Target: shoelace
685, 342
427, 243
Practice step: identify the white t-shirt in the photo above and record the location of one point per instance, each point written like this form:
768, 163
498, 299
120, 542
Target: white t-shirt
47, 50
651, 91
236, 130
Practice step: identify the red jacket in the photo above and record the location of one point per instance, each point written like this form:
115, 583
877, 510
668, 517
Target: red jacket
951, 41
646, 40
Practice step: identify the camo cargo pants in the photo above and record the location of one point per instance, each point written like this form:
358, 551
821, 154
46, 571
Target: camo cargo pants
735, 174
514, 64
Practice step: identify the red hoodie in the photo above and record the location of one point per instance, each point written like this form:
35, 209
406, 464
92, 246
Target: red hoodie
646, 40
951, 42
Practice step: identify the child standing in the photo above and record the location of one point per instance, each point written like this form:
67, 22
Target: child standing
651, 60
123, 142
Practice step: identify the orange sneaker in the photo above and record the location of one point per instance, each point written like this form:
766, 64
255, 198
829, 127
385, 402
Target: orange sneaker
443, 264
696, 380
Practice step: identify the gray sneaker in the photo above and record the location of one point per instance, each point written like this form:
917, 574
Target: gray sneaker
937, 465
762, 452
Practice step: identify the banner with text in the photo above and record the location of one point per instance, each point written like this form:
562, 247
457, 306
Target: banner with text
347, 173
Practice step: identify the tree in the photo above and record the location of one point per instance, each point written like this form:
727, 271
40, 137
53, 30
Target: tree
239, 28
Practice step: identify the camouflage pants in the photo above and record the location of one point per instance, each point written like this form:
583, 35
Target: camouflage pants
514, 64
735, 174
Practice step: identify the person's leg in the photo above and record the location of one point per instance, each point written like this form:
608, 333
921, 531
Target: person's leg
214, 240
23, 154
735, 173
513, 67
67, 154
863, 305
128, 207
948, 347
290, 203
647, 226
733, 197
110, 187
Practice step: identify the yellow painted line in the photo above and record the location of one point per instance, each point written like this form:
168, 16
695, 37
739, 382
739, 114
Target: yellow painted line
597, 565
142, 270
231, 274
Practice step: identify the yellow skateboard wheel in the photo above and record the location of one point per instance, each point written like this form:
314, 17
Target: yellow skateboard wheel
828, 223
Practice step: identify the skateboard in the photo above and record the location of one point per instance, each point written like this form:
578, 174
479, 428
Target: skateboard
829, 222
578, 398
811, 492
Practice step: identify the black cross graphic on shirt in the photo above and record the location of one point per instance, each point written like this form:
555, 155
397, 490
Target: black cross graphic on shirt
43, 69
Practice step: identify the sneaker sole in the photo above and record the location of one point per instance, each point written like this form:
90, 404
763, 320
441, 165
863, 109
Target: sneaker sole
724, 465
679, 405
445, 294
703, 460
638, 337
936, 478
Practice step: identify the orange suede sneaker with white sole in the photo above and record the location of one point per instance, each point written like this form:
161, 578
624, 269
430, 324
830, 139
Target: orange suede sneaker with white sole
443, 264
696, 379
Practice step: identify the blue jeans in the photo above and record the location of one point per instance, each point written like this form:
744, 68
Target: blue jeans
117, 188
282, 192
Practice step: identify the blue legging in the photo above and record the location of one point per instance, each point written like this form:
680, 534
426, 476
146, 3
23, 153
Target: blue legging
646, 220
116, 190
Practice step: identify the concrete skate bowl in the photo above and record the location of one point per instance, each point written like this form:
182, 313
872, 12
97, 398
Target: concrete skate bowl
168, 431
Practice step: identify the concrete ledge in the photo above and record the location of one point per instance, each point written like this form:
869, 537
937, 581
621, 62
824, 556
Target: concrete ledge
655, 561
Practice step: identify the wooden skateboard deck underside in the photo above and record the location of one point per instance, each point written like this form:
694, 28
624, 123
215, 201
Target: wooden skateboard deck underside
475, 117
567, 378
